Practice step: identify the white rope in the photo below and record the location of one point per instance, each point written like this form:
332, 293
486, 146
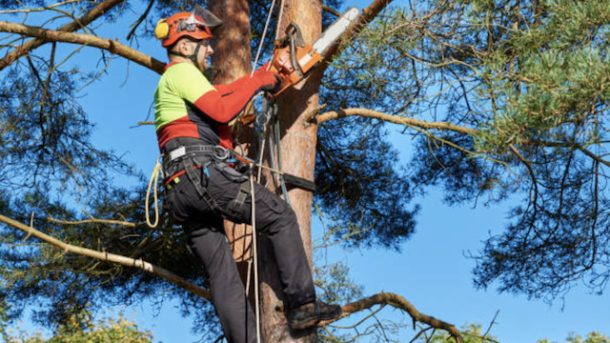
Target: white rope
260, 166
260, 44
279, 17
154, 179
255, 256
277, 32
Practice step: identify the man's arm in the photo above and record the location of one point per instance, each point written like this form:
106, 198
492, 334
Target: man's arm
196, 89
231, 87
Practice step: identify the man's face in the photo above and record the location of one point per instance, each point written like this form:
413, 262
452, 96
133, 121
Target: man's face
205, 51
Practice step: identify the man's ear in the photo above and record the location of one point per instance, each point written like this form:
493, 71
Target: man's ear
182, 47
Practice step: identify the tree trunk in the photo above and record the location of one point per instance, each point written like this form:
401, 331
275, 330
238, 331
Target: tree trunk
298, 145
231, 60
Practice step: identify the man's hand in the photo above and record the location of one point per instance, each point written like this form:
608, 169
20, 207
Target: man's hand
270, 82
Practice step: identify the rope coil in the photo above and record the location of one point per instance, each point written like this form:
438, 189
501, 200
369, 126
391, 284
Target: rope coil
154, 180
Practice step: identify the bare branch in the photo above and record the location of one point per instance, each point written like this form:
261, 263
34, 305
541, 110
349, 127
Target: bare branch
32, 10
104, 256
92, 220
313, 117
140, 20
83, 39
399, 302
593, 156
86, 19
331, 10
392, 119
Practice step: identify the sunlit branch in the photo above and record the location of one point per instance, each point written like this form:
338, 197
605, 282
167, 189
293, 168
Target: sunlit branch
104, 256
401, 303
31, 10
392, 119
428, 125
86, 19
84, 39
92, 220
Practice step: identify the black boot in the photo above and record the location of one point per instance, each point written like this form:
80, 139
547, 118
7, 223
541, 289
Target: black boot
311, 313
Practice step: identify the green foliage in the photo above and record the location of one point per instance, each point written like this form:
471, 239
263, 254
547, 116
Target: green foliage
525, 84
359, 189
530, 77
81, 328
472, 333
593, 337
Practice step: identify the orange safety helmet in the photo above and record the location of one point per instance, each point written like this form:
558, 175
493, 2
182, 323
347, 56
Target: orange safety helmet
195, 25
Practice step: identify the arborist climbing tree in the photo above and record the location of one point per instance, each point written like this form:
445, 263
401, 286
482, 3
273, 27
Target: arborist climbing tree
203, 186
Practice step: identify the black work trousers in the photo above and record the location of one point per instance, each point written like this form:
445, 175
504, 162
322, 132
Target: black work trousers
207, 241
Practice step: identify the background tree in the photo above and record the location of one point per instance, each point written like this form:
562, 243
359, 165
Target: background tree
81, 328
504, 99
593, 337
53, 275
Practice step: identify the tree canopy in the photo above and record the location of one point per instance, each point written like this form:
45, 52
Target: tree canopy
504, 100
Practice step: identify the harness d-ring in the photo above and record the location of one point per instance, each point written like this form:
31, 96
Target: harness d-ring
221, 153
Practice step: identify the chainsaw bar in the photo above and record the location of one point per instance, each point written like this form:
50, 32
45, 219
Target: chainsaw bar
293, 59
332, 34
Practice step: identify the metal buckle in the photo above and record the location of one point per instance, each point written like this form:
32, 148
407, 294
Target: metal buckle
221, 153
177, 153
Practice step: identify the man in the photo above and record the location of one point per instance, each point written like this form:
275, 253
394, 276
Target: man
192, 119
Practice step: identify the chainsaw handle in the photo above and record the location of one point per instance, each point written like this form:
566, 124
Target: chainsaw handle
293, 32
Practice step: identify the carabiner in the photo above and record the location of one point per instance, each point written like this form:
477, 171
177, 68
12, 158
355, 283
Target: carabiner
221, 153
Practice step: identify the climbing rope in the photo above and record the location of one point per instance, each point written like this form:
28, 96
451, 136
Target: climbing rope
255, 257
260, 45
262, 122
154, 179
252, 195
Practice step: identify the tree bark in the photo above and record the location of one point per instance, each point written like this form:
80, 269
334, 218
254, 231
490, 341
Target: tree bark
230, 61
298, 144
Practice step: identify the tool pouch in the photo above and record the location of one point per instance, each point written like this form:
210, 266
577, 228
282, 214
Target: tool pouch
236, 210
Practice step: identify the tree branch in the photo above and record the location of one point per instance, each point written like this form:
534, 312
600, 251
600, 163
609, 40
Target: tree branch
113, 46
85, 20
351, 308
363, 112
399, 302
313, 117
368, 14
104, 256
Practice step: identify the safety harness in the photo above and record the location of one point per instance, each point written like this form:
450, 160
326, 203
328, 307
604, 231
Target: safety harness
189, 158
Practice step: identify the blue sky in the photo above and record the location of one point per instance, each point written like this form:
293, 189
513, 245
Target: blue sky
431, 272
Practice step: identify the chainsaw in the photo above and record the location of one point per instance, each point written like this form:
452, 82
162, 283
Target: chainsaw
293, 58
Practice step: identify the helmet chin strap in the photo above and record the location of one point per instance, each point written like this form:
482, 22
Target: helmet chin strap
192, 57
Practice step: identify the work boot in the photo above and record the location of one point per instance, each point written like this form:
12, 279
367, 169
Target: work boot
311, 313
